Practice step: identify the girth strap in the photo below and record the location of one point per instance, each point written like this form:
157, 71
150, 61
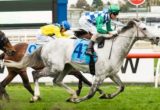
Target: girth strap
92, 65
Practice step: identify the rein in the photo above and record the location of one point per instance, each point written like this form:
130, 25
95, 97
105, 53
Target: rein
111, 48
140, 30
110, 53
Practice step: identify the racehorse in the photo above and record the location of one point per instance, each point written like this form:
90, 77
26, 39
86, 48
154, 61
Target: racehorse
16, 53
6, 47
59, 64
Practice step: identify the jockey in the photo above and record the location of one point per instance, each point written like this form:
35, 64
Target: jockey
94, 21
54, 30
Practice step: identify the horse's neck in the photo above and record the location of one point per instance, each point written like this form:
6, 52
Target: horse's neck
126, 42
122, 44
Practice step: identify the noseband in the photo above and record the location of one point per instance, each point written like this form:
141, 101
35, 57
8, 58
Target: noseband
140, 30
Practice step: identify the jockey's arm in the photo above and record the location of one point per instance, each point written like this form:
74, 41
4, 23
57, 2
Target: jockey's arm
57, 32
99, 25
50, 30
111, 32
108, 26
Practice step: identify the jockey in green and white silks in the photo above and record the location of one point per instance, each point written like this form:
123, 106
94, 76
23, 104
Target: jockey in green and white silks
94, 22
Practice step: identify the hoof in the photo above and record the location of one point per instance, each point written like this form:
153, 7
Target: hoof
31, 101
5, 97
39, 98
108, 96
35, 99
73, 100
103, 96
68, 100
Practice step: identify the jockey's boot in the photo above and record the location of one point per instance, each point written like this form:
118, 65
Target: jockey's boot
89, 50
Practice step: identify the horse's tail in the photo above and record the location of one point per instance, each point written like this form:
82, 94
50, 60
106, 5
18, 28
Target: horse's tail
31, 60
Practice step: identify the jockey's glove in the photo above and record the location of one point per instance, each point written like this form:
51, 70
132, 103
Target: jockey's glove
113, 32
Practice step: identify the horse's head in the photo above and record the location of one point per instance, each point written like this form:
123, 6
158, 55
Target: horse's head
143, 32
5, 45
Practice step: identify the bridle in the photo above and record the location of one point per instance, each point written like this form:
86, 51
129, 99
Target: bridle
154, 41
136, 38
138, 28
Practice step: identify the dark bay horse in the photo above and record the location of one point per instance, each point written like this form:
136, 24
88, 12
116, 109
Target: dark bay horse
19, 51
9, 50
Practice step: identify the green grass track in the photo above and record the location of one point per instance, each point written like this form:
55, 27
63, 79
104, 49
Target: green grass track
134, 97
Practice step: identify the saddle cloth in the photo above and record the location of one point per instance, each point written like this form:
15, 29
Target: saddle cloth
78, 55
32, 47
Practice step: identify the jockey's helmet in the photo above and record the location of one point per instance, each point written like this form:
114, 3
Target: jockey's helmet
66, 25
114, 9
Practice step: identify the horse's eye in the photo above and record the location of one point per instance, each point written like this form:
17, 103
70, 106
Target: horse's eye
144, 29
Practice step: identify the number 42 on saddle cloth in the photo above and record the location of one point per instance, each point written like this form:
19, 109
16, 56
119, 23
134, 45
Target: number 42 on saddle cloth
78, 55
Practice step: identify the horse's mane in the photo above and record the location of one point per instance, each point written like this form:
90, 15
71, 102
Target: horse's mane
129, 25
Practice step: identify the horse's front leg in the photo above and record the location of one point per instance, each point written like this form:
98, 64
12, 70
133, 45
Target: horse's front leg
6, 81
115, 78
98, 81
26, 84
81, 78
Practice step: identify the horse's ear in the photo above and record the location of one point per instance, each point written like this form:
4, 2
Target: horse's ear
2, 33
136, 21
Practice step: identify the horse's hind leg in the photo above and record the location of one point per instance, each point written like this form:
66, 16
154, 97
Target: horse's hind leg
5, 82
117, 81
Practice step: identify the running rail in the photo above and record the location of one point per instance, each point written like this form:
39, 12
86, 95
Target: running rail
148, 55
143, 55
